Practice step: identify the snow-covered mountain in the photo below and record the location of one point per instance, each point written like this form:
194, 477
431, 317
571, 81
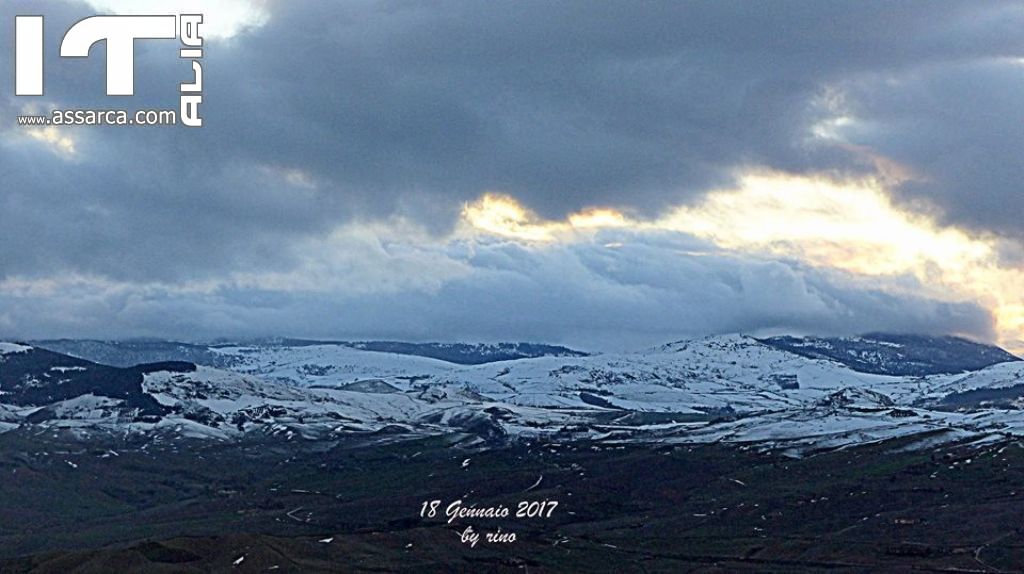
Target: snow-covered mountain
791, 395
894, 354
135, 352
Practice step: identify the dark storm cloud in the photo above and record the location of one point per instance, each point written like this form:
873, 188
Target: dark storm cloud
339, 112
414, 108
961, 127
574, 104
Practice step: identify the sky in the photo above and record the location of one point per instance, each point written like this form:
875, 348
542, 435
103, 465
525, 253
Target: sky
603, 175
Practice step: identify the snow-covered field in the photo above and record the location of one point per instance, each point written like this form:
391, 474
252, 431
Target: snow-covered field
717, 389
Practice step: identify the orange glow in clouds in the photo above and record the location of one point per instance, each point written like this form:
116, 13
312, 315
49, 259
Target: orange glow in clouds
850, 225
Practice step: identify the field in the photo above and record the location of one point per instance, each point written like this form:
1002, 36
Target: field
356, 506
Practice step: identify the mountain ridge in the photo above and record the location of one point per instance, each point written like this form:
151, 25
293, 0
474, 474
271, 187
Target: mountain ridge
132, 352
731, 388
897, 354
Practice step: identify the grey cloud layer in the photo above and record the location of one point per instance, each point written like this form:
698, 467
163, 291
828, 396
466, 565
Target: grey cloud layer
411, 109
651, 289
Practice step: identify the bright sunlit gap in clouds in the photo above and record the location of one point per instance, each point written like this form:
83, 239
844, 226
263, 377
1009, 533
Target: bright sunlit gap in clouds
503, 215
221, 18
850, 225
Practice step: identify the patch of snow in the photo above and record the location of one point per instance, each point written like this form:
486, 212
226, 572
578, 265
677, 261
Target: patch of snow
11, 348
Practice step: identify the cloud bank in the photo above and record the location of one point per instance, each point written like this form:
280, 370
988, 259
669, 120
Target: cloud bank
612, 289
323, 117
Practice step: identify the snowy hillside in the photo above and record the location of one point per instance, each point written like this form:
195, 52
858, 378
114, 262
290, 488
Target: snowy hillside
130, 353
897, 354
725, 388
